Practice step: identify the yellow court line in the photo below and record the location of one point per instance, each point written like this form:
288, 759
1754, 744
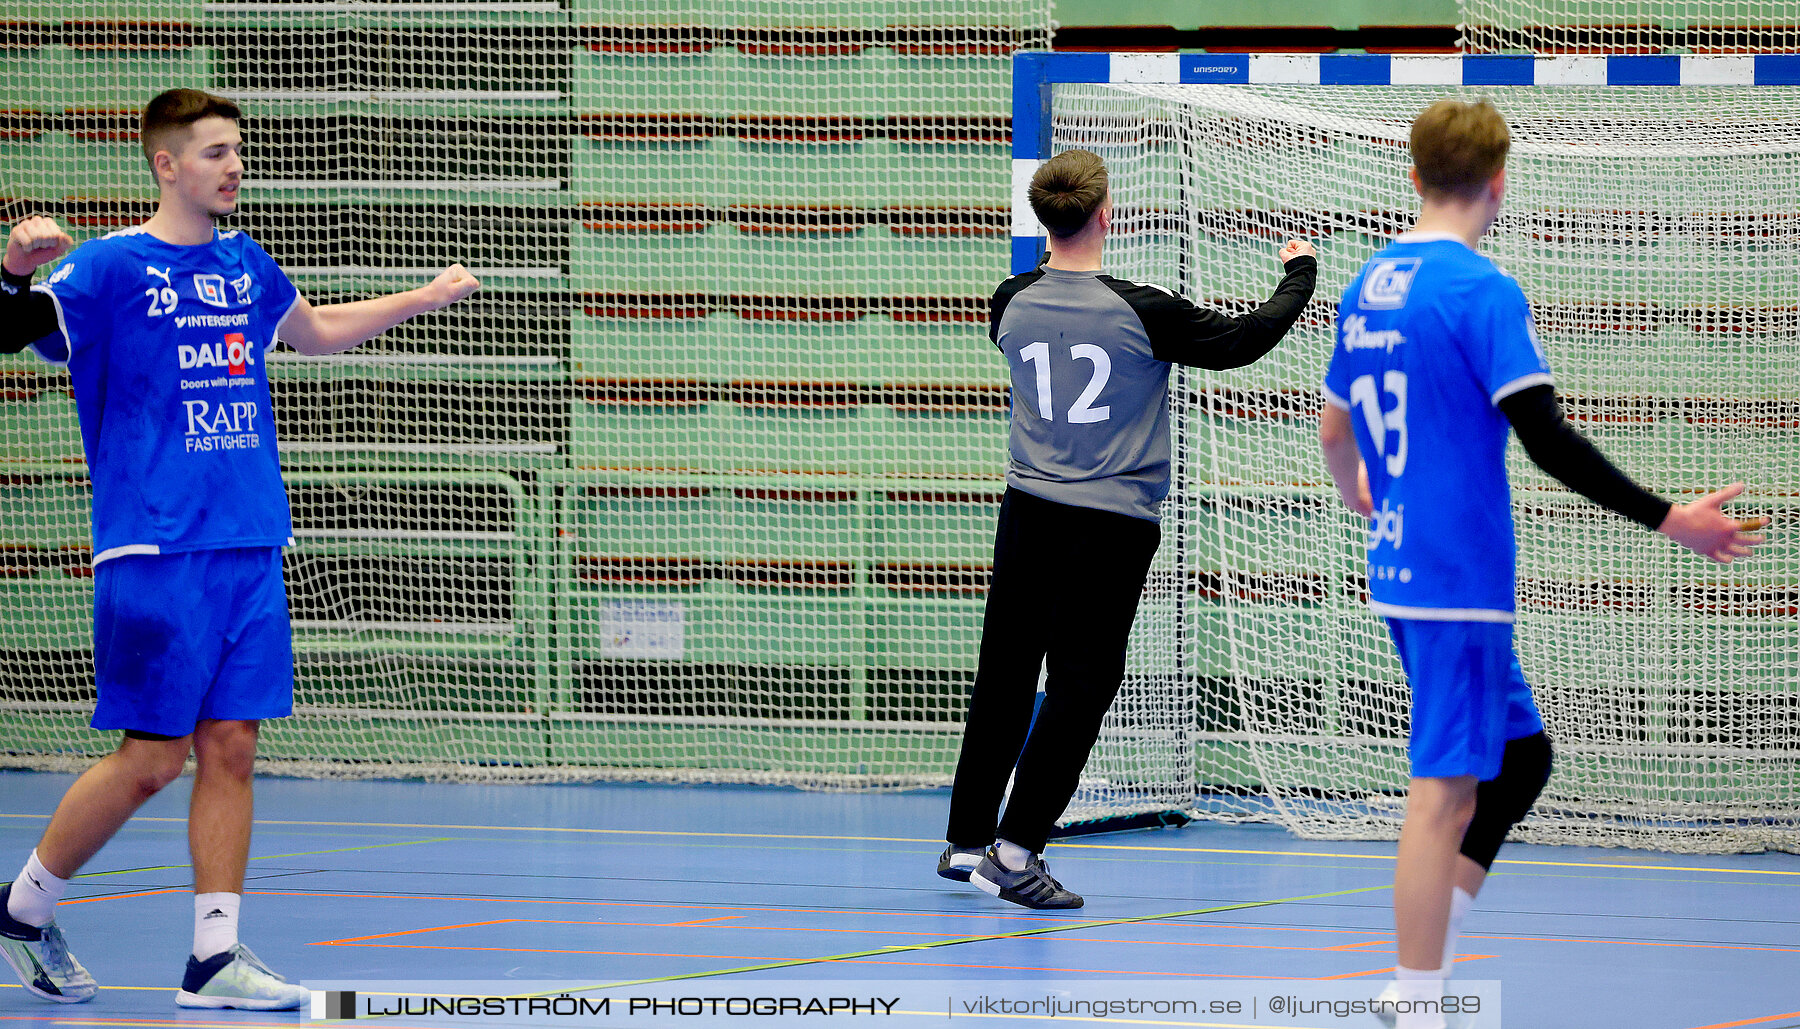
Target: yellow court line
681, 834
163, 989
263, 857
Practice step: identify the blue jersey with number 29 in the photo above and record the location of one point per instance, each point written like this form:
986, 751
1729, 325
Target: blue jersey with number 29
1431, 336
165, 348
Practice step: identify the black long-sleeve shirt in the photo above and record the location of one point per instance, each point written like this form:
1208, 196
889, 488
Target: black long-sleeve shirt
1090, 358
25, 317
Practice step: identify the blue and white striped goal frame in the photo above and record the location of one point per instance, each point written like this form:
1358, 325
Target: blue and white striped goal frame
1037, 73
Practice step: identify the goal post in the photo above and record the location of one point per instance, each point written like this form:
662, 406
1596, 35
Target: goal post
1652, 212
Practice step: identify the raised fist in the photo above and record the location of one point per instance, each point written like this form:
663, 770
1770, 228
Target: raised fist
451, 285
33, 243
1296, 248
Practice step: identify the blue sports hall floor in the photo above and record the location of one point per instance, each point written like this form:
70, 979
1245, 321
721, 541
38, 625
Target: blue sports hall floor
617, 890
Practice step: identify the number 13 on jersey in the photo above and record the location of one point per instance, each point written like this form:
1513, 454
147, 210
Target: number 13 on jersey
1386, 428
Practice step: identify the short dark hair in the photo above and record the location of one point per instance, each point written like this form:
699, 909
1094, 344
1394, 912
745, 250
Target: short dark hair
176, 109
1457, 147
1066, 191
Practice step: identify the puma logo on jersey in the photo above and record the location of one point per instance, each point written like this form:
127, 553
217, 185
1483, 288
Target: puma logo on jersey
162, 273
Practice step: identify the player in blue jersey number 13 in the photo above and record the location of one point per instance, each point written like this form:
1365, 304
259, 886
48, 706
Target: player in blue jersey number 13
164, 330
1435, 359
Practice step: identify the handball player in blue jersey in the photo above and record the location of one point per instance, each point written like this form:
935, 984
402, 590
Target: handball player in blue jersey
164, 330
1436, 359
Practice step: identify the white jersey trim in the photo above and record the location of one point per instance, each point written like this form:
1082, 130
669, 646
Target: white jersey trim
1334, 400
1441, 614
131, 548
1415, 236
62, 325
275, 337
1523, 382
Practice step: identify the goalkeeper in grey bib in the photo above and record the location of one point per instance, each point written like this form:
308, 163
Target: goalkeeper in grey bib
1088, 470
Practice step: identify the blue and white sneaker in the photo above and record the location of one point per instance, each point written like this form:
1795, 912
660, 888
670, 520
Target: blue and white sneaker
237, 979
41, 958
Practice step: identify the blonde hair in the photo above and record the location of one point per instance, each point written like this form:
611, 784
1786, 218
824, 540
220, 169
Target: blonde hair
1066, 191
1457, 147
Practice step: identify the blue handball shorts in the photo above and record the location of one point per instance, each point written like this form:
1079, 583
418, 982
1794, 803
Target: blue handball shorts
1469, 696
183, 637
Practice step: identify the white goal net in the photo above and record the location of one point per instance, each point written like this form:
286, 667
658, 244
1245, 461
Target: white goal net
1652, 229
1630, 26
700, 485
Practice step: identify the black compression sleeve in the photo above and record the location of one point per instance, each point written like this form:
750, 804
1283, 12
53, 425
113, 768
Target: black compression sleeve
1554, 445
1183, 333
25, 317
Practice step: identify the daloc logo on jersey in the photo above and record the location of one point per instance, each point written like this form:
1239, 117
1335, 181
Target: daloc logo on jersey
233, 355
1386, 285
211, 290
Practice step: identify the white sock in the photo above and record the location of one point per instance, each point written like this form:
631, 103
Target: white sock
34, 893
1418, 984
1013, 857
1460, 902
215, 923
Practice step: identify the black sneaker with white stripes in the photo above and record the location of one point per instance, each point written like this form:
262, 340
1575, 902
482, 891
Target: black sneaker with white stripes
957, 862
1030, 887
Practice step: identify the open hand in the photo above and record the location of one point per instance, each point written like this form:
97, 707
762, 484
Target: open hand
1706, 530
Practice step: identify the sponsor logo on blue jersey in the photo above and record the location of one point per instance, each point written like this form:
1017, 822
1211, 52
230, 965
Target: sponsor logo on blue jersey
211, 290
1358, 335
1388, 281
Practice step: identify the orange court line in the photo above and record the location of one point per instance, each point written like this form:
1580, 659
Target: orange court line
993, 917
1390, 970
1072, 923
427, 929
990, 917
1750, 1021
1382, 938
1386, 939
1644, 943
838, 961
1359, 946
